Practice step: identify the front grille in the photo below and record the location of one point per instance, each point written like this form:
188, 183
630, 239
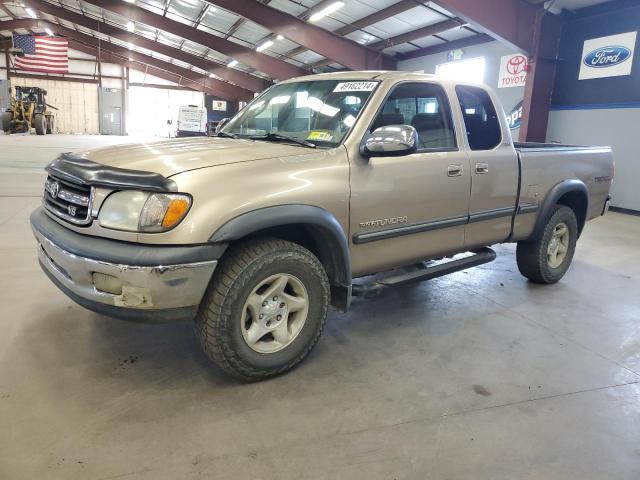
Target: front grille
68, 200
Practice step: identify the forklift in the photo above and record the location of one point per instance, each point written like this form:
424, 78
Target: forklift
29, 109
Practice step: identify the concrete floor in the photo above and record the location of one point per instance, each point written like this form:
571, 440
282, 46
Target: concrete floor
479, 375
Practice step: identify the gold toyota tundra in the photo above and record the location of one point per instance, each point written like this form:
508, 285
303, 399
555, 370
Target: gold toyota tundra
318, 181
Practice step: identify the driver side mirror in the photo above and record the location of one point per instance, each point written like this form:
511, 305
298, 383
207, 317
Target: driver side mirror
392, 140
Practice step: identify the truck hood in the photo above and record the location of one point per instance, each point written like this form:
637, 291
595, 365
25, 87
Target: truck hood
169, 157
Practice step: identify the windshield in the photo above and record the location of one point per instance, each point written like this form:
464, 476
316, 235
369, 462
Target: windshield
317, 112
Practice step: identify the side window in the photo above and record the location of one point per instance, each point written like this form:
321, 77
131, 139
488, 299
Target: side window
423, 106
480, 119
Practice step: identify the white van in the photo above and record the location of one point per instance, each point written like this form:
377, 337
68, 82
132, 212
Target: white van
192, 121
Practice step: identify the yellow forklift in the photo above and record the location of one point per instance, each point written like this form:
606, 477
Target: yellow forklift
29, 109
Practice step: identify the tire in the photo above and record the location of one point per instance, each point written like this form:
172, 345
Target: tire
226, 318
39, 123
7, 118
536, 262
50, 124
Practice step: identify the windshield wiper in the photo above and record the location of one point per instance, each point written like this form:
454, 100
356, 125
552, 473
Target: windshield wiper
226, 134
285, 138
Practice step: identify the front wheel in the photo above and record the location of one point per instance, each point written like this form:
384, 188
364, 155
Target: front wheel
264, 310
39, 123
547, 259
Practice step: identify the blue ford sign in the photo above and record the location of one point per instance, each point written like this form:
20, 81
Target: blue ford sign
515, 117
606, 56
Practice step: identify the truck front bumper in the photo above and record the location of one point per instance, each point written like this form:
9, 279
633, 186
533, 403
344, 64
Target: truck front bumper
132, 281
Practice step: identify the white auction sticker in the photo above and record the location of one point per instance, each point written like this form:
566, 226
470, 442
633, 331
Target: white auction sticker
355, 86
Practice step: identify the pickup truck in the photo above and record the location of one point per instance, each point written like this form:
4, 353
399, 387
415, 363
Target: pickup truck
318, 181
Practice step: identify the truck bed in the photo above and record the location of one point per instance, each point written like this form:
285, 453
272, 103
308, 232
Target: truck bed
545, 165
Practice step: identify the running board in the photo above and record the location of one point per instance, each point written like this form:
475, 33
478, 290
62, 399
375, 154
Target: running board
479, 257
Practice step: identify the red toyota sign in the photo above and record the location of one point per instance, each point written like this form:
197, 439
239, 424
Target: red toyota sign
513, 71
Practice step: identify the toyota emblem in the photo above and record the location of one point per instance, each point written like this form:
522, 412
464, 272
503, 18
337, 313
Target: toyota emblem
54, 188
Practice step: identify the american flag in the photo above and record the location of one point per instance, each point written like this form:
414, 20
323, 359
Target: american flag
42, 53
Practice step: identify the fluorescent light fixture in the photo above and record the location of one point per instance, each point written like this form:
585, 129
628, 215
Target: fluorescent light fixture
264, 46
31, 12
130, 59
130, 1
49, 32
232, 63
130, 46
280, 37
211, 75
328, 10
131, 26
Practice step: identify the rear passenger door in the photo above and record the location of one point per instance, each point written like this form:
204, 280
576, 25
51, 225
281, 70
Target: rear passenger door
412, 207
494, 169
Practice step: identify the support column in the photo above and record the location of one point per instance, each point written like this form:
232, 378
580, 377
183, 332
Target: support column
540, 78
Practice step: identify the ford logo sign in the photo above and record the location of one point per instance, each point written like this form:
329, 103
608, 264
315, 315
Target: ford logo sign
514, 119
606, 56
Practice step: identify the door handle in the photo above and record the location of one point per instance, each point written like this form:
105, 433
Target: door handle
482, 168
454, 170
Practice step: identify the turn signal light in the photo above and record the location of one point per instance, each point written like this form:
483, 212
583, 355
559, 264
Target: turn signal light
177, 209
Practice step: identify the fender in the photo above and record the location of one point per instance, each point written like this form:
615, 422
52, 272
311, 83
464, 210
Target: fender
325, 227
551, 201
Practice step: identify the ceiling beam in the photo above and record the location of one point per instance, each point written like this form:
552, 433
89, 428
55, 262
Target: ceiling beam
156, 72
447, 46
388, 12
346, 52
274, 67
217, 87
111, 58
240, 78
511, 21
303, 16
412, 35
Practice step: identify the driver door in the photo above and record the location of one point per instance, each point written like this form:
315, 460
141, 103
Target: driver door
410, 208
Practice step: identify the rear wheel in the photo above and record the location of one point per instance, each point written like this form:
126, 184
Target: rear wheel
264, 310
7, 117
39, 123
548, 258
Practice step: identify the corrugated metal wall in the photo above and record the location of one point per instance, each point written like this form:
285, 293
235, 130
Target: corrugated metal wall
77, 103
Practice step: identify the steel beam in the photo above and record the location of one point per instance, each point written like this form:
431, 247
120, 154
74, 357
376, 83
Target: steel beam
540, 78
278, 69
156, 72
423, 32
214, 86
447, 46
395, 9
511, 21
344, 51
242, 79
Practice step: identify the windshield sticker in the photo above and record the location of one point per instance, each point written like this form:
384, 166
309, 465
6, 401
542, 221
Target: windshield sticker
355, 86
320, 135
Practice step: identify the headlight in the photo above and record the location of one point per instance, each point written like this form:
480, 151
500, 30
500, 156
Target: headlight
137, 211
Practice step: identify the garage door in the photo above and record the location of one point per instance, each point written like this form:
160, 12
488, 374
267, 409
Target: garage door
77, 103
150, 108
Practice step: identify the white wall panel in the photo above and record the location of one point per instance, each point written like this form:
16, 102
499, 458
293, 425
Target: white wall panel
77, 103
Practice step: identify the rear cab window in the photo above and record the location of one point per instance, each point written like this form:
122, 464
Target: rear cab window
480, 118
425, 107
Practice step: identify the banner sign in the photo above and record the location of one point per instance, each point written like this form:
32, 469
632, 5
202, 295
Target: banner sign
219, 105
610, 56
513, 71
514, 119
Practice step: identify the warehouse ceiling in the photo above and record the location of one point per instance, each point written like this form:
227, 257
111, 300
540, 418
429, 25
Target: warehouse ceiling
250, 43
